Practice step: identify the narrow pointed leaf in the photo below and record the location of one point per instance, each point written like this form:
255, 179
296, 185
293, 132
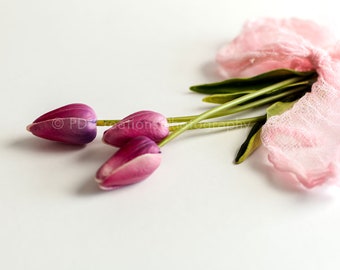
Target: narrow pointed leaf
251, 83
223, 98
252, 142
278, 108
299, 88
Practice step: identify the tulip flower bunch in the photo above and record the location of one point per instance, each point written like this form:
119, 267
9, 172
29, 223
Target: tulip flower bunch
288, 67
140, 135
135, 135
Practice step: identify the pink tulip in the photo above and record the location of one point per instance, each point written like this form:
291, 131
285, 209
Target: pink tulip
143, 123
132, 163
73, 124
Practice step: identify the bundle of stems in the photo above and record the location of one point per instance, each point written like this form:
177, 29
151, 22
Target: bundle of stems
275, 91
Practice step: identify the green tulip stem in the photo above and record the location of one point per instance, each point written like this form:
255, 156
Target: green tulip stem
245, 122
245, 107
107, 122
227, 105
237, 109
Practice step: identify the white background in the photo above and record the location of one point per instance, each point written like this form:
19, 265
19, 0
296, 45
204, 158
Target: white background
198, 210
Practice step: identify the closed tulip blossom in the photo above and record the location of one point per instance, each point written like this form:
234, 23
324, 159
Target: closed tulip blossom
132, 163
143, 123
73, 124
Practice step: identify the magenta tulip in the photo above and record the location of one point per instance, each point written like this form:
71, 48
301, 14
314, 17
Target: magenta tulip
73, 124
132, 163
143, 123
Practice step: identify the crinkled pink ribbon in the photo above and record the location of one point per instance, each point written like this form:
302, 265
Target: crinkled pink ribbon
304, 141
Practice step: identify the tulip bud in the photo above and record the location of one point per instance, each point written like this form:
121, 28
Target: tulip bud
73, 124
132, 163
143, 123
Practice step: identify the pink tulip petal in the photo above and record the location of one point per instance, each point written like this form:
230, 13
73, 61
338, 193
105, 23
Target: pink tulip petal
67, 130
143, 123
74, 110
73, 124
132, 172
132, 163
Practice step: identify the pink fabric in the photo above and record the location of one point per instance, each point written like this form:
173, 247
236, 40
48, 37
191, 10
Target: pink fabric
304, 141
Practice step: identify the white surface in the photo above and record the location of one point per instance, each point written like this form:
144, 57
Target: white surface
198, 210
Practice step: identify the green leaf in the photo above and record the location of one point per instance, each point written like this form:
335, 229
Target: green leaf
223, 98
278, 108
252, 142
299, 89
250, 84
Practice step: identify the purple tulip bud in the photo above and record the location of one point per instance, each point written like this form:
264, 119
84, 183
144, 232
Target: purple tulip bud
73, 124
143, 123
132, 163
